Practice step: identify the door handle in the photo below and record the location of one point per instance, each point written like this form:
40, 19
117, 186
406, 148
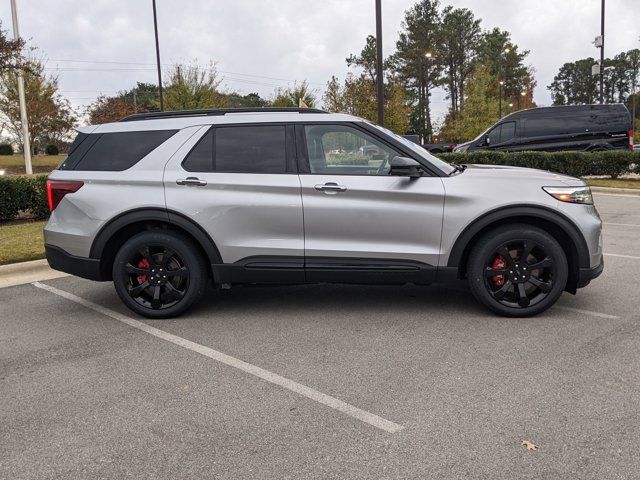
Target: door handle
191, 182
330, 187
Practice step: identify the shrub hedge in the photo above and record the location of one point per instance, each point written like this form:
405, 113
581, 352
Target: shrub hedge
52, 150
6, 149
577, 164
23, 193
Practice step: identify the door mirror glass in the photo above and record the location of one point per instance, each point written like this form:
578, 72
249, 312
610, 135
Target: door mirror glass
405, 167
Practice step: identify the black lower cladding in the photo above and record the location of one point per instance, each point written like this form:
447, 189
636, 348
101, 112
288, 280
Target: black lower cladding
282, 270
588, 274
63, 261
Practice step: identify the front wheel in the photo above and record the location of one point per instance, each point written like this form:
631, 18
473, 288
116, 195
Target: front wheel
517, 270
159, 274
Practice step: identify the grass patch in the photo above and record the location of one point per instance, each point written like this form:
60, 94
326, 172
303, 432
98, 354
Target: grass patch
613, 183
21, 241
14, 164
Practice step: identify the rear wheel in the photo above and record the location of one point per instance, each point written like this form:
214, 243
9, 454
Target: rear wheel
159, 274
517, 270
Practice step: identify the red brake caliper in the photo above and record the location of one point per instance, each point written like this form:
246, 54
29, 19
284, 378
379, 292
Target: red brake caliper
498, 264
143, 264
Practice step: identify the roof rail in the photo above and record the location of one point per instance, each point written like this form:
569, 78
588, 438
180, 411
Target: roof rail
215, 112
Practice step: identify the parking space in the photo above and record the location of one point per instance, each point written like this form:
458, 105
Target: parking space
85, 394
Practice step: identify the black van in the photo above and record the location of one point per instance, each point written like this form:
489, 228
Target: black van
559, 128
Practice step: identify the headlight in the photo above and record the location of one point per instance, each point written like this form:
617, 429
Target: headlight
571, 194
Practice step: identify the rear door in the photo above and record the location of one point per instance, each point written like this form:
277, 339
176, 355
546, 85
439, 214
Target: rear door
361, 224
240, 184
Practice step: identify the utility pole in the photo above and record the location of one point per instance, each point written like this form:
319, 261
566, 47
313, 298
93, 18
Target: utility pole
155, 27
421, 99
602, 53
379, 71
26, 144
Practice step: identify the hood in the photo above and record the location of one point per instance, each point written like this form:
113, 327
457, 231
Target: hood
507, 172
462, 147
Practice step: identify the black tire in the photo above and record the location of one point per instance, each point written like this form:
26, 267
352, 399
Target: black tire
509, 285
170, 266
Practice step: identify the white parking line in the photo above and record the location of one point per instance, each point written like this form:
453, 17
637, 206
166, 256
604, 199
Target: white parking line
630, 195
261, 373
587, 312
621, 224
621, 256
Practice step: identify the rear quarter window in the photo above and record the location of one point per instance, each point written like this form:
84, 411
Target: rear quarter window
114, 151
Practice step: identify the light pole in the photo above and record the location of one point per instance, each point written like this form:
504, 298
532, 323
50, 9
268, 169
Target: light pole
155, 27
379, 72
26, 144
602, 53
501, 81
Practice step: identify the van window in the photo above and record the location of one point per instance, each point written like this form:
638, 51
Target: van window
502, 133
245, 149
544, 127
117, 151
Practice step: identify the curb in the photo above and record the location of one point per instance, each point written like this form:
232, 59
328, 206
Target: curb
617, 191
27, 272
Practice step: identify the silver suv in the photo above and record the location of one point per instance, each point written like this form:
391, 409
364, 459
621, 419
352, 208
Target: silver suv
162, 202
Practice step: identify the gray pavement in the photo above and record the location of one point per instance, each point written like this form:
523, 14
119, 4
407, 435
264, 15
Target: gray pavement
83, 395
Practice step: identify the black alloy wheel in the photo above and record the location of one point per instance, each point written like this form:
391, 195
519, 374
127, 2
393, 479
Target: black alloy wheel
519, 273
517, 270
159, 274
157, 277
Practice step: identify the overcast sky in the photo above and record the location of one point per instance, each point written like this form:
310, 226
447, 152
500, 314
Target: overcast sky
261, 44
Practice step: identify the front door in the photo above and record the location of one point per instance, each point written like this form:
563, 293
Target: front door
360, 222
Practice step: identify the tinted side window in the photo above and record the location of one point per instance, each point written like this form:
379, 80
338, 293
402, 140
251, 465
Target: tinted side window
542, 127
508, 131
200, 159
121, 150
494, 135
250, 149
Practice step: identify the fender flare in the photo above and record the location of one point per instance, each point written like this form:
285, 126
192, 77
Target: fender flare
509, 213
101, 240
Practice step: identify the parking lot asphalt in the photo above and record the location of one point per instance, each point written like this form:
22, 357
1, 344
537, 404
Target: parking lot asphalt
84, 394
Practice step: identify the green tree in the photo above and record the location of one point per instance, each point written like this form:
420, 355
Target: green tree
505, 62
236, 100
11, 52
291, 96
49, 115
461, 35
190, 87
143, 97
480, 108
574, 84
357, 96
421, 34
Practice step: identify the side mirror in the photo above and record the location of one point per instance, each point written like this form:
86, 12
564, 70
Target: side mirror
487, 140
405, 167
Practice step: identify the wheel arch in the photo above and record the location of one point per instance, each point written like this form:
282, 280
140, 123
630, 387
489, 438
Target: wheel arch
115, 232
553, 222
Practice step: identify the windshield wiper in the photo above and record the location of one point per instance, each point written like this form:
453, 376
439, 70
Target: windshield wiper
458, 168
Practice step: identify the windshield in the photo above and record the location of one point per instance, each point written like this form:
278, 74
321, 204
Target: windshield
421, 152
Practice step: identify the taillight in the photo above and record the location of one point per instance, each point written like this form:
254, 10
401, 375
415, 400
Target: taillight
631, 140
57, 189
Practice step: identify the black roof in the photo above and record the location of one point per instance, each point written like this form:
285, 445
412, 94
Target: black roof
215, 112
567, 110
